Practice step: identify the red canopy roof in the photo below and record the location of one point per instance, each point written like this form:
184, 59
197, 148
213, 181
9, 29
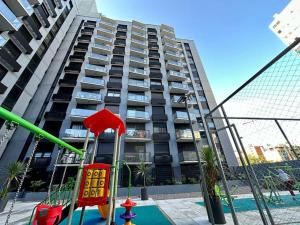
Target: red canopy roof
100, 121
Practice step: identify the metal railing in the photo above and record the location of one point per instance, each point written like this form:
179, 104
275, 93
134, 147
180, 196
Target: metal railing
142, 134
137, 157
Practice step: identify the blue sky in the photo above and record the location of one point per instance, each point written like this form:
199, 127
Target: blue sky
232, 36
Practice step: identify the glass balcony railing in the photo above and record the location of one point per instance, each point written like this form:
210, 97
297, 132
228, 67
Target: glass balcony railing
26, 5
138, 114
175, 99
92, 81
104, 38
105, 30
176, 74
88, 96
138, 98
98, 56
187, 134
175, 54
2, 41
176, 63
188, 156
138, 34
137, 157
138, 41
139, 27
183, 115
136, 70
76, 133
133, 133
83, 113
139, 50
108, 48
9, 16
168, 45
137, 59
138, 83
179, 85
96, 68
107, 23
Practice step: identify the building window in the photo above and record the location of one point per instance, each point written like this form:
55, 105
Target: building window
113, 93
113, 108
155, 82
161, 148
86, 106
157, 95
159, 128
3, 72
158, 110
25, 33
36, 21
12, 98
12, 50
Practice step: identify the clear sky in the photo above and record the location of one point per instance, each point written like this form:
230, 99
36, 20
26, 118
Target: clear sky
232, 36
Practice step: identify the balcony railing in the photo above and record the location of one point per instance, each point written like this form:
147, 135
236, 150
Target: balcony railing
139, 50
136, 158
103, 30
138, 83
138, 35
138, 98
182, 117
103, 39
107, 24
98, 59
188, 157
88, 96
76, 133
134, 114
80, 114
171, 64
141, 44
138, 134
186, 135
12, 23
177, 76
178, 87
94, 70
88, 82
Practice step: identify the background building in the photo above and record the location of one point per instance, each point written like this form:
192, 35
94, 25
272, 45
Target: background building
286, 24
84, 64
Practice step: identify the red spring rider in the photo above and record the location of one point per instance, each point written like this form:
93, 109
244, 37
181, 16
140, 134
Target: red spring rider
47, 215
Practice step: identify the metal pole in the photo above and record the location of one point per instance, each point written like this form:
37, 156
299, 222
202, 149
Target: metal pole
224, 180
254, 176
287, 140
78, 178
91, 162
116, 183
204, 187
112, 178
261, 212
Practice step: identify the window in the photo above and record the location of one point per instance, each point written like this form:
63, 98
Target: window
41, 50
12, 97
3, 72
158, 110
202, 98
155, 82
160, 128
36, 21
115, 79
113, 108
54, 29
12, 50
86, 106
24, 78
105, 148
113, 93
157, 95
45, 9
77, 125
135, 126
161, 148
135, 147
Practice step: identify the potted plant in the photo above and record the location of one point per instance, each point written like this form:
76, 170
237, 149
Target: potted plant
211, 173
14, 172
142, 171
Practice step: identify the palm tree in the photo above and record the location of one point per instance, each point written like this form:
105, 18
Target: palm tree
14, 173
142, 170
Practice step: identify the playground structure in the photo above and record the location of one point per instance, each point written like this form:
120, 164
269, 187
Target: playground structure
92, 182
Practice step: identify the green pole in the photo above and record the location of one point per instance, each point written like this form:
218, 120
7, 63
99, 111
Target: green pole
11, 117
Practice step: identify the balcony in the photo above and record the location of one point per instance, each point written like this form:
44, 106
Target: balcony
176, 76
169, 39
78, 115
90, 24
59, 97
67, 82
104, 158
139, 52
186, 157
41, 162
87, 98
173, 65
182, 117
157, 87
158, 101
138, 27
137, 116
167, 32
137, 135
91, 83
159, 117
171, 55
117, 85
138, 44
87, 31
81, 47
137, 85
137, 100
98, 59
76, 135
163, 159
20, 7
77, 57
138, 62
105, 32
179, 88
55, 116
101, 49
161, 137
99, 39
137, 158
111, 25
137, 73
175, 103
186, 135
84, 39
93, 70
138, 35
112, 99
171, 47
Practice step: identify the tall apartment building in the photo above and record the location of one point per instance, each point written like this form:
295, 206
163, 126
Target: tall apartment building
84, 64
286, 24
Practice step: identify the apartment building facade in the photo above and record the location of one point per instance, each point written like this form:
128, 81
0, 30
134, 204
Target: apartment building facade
136, 70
